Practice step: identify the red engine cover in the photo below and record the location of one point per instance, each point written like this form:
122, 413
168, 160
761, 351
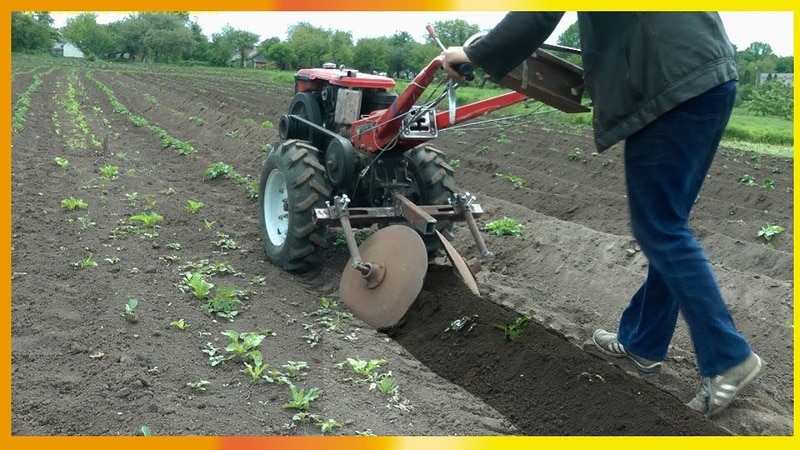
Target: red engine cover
345, 78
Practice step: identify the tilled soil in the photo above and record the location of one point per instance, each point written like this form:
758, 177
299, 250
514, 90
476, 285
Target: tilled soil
81, 366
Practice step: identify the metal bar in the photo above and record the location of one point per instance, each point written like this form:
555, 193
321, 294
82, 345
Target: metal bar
479, 108
414, 214
361, 217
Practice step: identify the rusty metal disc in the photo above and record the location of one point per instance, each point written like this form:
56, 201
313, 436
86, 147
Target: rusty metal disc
463, 269
400, 261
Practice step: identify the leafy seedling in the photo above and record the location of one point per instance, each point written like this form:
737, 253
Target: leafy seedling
747, 180
257, 368
131, 198
301, 400
130, 308
179, 324
360, 366
295, 368
769, 231
515, 180
514, 330
63, 163
86, 262
109, 172
198, 385
384, 383
145, 431
504, 227
243, 344
149, 220
193, 206
328, 425
73, 203
199, 286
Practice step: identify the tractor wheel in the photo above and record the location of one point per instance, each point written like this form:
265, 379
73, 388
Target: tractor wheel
292, 184
305, 105
435, 184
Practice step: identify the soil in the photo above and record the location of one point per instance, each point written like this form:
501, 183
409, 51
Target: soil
80, 366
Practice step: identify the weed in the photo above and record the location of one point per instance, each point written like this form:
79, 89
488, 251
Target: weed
250, 121
194, 206
225, 242
197, 120
208, 224
224, 302
86, 222
575, 155
174, 246
384, 383
768, 183
504, 227
266, 148
218, 169
515, 180
86, 262
236, 134
455, 163
179, 324
145, 430
483, 150
267, 124
73, 203
301, 400
111, 260
138, 121
503, 139
514, 330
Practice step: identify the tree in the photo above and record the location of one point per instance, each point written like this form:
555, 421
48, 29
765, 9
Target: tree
30, 34
92, 39
370, 54
571, 37
454, 32
773, 98
309, 43
282, 55
168, 36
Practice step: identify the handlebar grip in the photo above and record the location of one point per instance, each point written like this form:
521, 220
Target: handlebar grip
466, 71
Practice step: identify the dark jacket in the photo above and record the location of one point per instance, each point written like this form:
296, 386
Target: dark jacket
637, 66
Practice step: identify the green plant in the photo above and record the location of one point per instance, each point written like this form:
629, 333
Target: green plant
86, 222
194, 206
179, 324
258, 367
130, 307
198, 385
769, 231
199, 286
504, 227
198, 120
242, 344
483, 150
208, 224
575, 155
328, 425
360, 366
73, 203
131, 198
514, 330
747, 180
145, 430
218, 169
267, 124
455, 162
86, 262
63, 163
768, 183
384, 383
301, 400
149, 220
224, 302
295, 368
515, 180
109, 172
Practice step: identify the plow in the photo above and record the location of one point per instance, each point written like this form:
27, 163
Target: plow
354, 154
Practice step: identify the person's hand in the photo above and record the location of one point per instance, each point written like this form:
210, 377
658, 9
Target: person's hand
454, 57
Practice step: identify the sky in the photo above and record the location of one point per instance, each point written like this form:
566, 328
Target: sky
744, 28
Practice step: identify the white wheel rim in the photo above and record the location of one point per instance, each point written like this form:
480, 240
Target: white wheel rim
276, 218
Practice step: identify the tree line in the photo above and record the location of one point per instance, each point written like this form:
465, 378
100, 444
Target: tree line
173, 38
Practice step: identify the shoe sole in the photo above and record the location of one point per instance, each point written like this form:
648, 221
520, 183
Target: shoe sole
653, 368
730, 392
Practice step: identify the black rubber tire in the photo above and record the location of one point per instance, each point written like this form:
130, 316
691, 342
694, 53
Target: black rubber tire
435, 183
292, 184
305, 105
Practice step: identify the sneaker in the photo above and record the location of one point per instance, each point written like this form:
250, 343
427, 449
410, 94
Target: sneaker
608, 343
716, 393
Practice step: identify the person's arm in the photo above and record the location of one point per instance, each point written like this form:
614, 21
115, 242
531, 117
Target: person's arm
512, 40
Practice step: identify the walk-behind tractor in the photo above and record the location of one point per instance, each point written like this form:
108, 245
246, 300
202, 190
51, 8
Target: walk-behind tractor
354, 154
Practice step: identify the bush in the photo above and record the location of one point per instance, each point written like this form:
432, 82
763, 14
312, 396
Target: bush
772, 98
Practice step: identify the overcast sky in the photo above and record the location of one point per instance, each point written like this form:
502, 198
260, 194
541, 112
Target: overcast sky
744, 28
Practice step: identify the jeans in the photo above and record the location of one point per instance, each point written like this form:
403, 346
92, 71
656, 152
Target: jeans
665, 165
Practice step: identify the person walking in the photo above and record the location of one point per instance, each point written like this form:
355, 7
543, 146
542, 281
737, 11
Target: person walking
665, 84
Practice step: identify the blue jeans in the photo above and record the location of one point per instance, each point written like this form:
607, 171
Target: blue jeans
665, 165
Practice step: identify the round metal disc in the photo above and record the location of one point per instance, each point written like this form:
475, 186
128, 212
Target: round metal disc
461, 266
400, 253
